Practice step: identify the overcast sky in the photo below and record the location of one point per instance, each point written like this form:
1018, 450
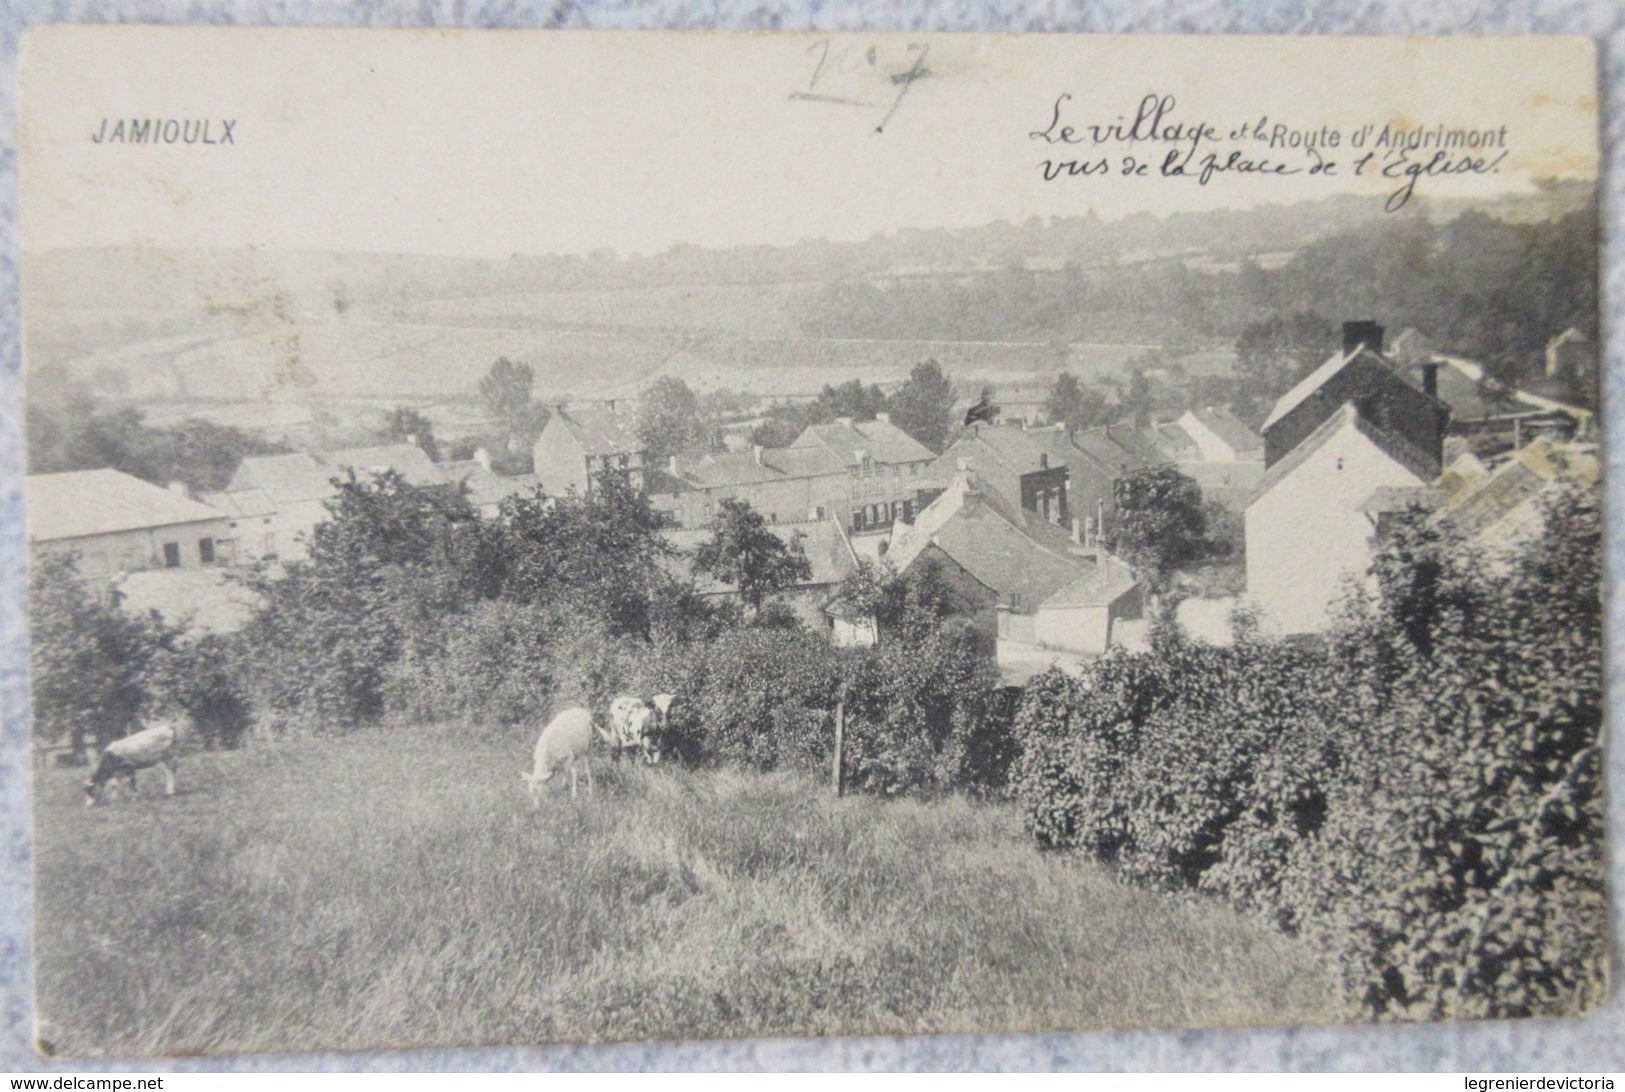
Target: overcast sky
492, 143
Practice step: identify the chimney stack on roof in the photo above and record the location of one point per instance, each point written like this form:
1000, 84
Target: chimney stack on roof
671, 466
1362, 332
847, 421
756, 453
883, 417
483, 457
181, 489
1430, 375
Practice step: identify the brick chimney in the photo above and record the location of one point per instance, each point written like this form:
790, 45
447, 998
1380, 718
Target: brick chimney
883, 417
847, 421
671, 465
1362, 332
483, 457
756, 453
1430, 375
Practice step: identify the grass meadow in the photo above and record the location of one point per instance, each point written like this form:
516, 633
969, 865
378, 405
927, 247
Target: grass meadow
394, 888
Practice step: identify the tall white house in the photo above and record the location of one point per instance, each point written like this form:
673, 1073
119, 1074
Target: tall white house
1363, 442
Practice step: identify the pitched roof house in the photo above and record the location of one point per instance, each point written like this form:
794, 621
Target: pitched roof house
1379, 387
117, 523
1220, 437
854, 442
584, 441
810, 482
1314, 521
1021, 580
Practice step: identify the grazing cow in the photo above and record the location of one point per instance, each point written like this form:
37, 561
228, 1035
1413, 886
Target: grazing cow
656, 740
154, 746
639, 724
566, 741
631, 724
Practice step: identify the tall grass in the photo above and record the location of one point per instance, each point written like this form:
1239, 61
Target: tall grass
394, 888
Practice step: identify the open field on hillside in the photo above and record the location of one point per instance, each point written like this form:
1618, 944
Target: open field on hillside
394, 888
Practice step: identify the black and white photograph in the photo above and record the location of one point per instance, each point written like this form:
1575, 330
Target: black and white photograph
555, 537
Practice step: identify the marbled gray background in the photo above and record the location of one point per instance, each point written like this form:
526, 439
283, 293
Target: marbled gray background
1590, 1044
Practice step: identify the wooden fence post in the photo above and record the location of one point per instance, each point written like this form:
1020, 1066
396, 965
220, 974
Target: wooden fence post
840, 744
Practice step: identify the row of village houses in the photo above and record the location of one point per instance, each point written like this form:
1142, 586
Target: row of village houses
1013, 516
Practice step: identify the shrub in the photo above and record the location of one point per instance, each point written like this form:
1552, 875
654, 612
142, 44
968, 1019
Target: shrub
1461, 870
1424, 801
205, 679
761, 698
928, 713
1189, 766
88, 660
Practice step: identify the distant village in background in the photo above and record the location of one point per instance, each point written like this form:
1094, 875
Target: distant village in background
175, 443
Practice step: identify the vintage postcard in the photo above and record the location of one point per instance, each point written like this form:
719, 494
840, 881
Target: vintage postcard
548, 537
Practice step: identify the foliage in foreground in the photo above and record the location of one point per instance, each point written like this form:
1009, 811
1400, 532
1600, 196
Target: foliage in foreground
1422, 798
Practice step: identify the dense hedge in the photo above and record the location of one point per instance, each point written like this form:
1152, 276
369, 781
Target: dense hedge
1421, 796
1187, 766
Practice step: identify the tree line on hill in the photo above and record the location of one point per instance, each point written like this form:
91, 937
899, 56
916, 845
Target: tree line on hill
1488, 288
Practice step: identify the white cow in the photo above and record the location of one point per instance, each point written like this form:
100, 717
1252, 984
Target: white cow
152, 746
565, 742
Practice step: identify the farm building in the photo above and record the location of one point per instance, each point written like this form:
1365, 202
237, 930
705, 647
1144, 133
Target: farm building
119, 524
581, 442
1025, 583
274, 502
807, 482
1218, 436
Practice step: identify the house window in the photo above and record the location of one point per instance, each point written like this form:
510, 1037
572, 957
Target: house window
172, 555
205, 550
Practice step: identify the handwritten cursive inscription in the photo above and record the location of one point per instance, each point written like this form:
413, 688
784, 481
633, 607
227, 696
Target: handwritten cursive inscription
1204, 150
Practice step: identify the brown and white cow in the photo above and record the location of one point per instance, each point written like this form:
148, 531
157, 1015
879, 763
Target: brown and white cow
637, 725
152, 746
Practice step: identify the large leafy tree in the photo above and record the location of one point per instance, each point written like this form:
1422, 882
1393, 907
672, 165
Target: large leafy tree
505, 391
743, 552
923, 406
392, 561
1075, 404
671, 419
404, 425
78, 434
600, 554
850, 399
88, 659
1161, 521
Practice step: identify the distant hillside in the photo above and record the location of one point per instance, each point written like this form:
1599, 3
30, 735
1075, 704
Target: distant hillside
256, 325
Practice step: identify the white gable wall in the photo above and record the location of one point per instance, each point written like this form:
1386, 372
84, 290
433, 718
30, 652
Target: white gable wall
1210, 446
1305, 536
